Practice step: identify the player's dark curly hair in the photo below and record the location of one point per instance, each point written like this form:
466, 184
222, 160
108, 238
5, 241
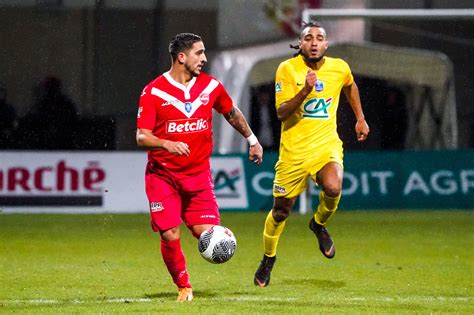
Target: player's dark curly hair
182, 42
305, 25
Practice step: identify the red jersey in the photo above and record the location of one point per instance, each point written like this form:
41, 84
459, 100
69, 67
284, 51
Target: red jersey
182, 113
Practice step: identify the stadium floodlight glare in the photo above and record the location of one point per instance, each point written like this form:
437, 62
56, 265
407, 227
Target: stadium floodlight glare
398, 14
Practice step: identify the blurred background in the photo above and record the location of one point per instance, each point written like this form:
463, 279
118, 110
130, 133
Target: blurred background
82, 64
71, 71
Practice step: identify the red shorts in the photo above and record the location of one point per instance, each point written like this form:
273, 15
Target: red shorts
174, 198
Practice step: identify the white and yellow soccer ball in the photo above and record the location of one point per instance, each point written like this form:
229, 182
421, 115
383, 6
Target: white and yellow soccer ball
217, 244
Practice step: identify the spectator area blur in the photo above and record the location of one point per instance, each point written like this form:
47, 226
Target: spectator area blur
8, 119
263, 119
104, 52
53, 123
385, 109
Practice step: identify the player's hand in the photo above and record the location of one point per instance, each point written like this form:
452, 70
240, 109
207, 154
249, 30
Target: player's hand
362, 130
176, 147
256, 153
311, 79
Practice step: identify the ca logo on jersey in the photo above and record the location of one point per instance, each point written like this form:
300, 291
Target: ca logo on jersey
317, 108
278, 87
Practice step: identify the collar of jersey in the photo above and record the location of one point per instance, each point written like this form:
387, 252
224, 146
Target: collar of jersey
180, 86
188, 112
304, 65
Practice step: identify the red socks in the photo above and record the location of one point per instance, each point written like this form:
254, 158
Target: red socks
175, 262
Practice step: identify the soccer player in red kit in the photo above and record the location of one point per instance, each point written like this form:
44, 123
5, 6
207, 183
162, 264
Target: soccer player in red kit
175, 125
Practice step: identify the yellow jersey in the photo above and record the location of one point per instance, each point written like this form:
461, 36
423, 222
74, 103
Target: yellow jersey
314, 123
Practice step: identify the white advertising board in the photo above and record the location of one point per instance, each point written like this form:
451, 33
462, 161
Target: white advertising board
96, 182
72, 182
229, 182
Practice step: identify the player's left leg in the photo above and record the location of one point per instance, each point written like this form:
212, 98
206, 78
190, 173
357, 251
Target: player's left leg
200, 210
198, 229
330, 178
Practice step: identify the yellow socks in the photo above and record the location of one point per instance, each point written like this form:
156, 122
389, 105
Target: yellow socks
272, 230
271, 234
326, 208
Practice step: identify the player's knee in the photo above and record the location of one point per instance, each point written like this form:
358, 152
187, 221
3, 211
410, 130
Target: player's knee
170, 235
332, 190
280, 213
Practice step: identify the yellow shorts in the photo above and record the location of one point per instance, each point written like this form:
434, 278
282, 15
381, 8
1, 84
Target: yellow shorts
291, 179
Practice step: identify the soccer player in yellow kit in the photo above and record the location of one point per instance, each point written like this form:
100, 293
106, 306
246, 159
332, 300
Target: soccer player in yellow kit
307, 90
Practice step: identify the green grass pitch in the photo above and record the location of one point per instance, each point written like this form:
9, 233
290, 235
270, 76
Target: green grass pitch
393, 262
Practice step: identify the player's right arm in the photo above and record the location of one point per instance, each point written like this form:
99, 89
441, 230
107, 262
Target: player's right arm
148, 141
286, 109
146, 123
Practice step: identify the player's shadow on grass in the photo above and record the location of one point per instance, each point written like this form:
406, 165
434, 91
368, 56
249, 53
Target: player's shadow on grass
160, 295
318, 283
167, 295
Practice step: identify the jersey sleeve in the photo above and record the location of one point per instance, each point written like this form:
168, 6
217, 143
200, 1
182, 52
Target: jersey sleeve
146, 110
347, 70
284, 85
223, 102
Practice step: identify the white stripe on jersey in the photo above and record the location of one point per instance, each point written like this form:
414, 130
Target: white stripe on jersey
179, 105
165, 96
208, 90
180, 86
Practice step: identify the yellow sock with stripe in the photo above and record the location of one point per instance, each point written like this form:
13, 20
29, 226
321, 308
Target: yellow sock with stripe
326, 208
271, 234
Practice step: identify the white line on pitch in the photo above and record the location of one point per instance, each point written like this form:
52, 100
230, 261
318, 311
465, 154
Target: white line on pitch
245, 299
410, 299
39, 301
257, 298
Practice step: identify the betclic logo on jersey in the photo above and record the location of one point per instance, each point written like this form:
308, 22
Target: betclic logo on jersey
187, 125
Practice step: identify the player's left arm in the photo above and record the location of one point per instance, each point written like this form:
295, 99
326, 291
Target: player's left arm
352, 94
237, 120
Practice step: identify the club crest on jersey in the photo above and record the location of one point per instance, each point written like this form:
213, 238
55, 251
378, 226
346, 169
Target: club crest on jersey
319, 86
278, 87
204, 98
317, 108
188, 106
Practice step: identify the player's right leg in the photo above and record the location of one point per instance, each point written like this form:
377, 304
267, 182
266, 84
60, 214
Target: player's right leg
274, 225
175, 262
165, 212
290, 180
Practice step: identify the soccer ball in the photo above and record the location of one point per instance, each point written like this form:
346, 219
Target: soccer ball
217, 244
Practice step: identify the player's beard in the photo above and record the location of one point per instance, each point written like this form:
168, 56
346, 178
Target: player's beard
194, 72
312, 59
